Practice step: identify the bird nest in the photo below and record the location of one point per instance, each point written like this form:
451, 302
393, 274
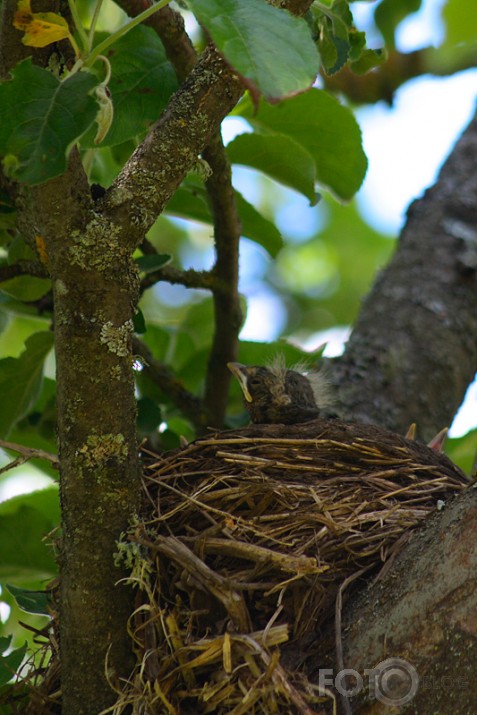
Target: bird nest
244, 540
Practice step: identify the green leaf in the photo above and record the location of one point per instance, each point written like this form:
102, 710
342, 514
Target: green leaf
279, 156
139, 322
24, 554
190, 202
271, 49
151, 263
198, 322
326, 129
8, 212
40, 118
257, 227
9, 664
30, 601
142, 82
333, 43
462, 451
45, 501
27, 288
21, 379
368, 60
390, 13
149, 416
460, 18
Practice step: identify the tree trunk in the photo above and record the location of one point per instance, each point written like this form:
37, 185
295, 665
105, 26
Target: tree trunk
413, 351
424, 612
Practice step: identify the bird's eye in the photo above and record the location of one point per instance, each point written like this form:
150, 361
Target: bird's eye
254, 382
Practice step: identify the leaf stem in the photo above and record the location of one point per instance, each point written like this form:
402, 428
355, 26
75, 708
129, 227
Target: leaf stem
79, 28
94, 20
103, 46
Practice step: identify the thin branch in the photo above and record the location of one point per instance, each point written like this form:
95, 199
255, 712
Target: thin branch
29, 453
190, 278
227, 313
190, 405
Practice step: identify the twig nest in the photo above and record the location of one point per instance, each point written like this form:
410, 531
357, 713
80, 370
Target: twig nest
248, 534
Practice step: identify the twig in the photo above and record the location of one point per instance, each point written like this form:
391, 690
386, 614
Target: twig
28, 453
399, 67
189, 278
339, 642
227, 314
191, 406
219, 586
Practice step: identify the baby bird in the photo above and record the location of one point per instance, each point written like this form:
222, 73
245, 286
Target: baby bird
277, 395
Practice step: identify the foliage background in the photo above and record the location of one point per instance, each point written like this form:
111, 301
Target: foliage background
312, 283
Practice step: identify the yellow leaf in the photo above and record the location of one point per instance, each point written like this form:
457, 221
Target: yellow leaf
40, 28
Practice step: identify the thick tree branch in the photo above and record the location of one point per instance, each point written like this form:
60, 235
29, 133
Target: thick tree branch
399, 67
429, 597
413, 351
95, 292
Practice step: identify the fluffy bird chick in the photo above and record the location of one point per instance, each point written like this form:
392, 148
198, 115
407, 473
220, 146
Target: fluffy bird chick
277, 395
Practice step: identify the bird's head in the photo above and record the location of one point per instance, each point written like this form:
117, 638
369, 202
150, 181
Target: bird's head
276, 394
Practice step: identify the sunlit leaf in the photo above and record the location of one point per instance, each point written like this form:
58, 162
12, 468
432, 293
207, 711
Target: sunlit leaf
460, 19
248, 33
26, 288
25, 556
20, 380
278, 156
326, 129
30, 601
40, 117
9, 663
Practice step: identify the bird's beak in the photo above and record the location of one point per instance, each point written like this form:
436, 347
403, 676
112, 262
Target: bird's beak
240, 372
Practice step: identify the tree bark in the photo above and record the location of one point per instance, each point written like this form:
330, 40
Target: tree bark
424, 612
413, 351
95, 289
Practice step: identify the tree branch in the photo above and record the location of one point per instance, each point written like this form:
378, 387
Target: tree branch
29, 453
227, 314
429, 597
413, 350
189, 278
190, 405
399, 67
